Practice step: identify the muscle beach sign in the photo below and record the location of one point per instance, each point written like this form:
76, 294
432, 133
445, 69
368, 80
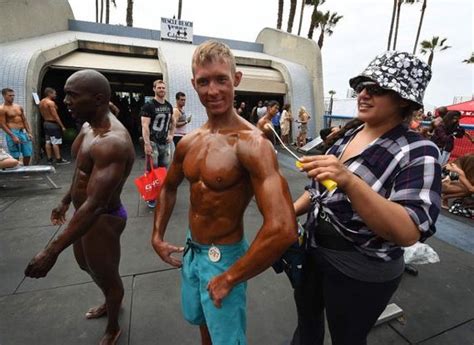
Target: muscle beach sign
176, 30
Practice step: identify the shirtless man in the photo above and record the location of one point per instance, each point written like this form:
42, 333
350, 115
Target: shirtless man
13, 122
227, 161
265, 121
104, 157
53, 126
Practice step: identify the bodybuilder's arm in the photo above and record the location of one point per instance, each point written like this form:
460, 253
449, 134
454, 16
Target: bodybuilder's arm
167, 200
107, 174
279, 229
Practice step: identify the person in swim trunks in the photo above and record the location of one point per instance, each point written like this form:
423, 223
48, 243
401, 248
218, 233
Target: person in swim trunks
227, 161
13, 122
104, 157
53, 126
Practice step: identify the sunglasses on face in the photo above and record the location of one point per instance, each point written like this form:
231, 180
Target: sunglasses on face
371, 88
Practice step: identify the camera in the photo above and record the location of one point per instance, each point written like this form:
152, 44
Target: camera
453, 176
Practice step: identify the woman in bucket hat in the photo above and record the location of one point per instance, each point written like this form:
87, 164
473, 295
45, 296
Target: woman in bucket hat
387, 197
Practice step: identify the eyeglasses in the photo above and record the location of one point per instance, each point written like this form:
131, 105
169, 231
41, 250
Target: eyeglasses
373, 89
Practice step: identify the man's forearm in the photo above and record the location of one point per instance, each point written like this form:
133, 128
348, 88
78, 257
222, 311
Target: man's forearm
146, 135
67, 198
162, 217
264, 251
80, 223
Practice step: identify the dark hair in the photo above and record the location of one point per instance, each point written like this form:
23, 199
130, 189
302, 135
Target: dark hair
287, 107
179, 94
448, 120
6, 90
48, 90
323, 133
354, 123
442, 111
272, 103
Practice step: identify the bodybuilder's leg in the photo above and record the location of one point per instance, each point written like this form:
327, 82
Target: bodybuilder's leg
101, 247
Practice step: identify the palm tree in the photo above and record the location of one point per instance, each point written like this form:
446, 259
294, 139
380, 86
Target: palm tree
469, 61
394, 12
327, 22
180, 7
423, 8
101, 11
314, 17
431, 46
107, 10
303, 4
129, 12
399, 6
291, 16
280, 14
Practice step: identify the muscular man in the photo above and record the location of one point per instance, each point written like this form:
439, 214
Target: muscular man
53, 126
104, 157
227, 161
13, 122
265, 123
157, 129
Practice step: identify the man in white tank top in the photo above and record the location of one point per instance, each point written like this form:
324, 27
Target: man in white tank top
180, 118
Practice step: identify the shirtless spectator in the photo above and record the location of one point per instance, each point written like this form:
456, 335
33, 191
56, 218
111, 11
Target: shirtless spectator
53, 127
13, 122
227, 161
104, 157
265, 122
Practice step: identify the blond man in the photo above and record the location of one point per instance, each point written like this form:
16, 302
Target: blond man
227, 161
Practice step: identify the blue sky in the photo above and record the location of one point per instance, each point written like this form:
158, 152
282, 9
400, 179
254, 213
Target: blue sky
358, 37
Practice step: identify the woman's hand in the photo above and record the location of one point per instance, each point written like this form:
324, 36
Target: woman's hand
323, 167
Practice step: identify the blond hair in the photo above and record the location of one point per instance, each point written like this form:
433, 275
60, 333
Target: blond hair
302, 111
212, 51
158, 81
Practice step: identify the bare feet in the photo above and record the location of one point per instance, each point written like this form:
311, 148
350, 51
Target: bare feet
110, 338
444, 204
96, 312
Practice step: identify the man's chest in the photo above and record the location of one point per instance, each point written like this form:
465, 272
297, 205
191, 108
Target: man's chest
215, 164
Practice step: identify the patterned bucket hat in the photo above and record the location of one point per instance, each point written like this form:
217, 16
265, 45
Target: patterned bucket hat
401, 72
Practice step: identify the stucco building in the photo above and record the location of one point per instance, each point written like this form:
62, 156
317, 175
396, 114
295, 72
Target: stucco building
41, 44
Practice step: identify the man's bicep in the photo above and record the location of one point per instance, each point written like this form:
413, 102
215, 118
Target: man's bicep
104, 179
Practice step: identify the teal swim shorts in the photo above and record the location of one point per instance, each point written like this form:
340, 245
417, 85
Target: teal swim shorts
226, 325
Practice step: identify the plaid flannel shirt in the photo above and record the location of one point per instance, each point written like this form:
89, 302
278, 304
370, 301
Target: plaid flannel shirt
400, 166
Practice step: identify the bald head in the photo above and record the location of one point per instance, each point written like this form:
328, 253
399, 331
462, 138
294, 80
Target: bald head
92, 82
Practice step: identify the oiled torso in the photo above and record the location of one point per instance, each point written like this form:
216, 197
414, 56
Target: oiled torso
220, 185
83, 150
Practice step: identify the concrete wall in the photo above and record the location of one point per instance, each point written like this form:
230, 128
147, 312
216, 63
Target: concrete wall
301, 51
30, 18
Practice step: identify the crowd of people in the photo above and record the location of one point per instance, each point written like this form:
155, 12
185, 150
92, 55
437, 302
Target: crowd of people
388, 195
281, 119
